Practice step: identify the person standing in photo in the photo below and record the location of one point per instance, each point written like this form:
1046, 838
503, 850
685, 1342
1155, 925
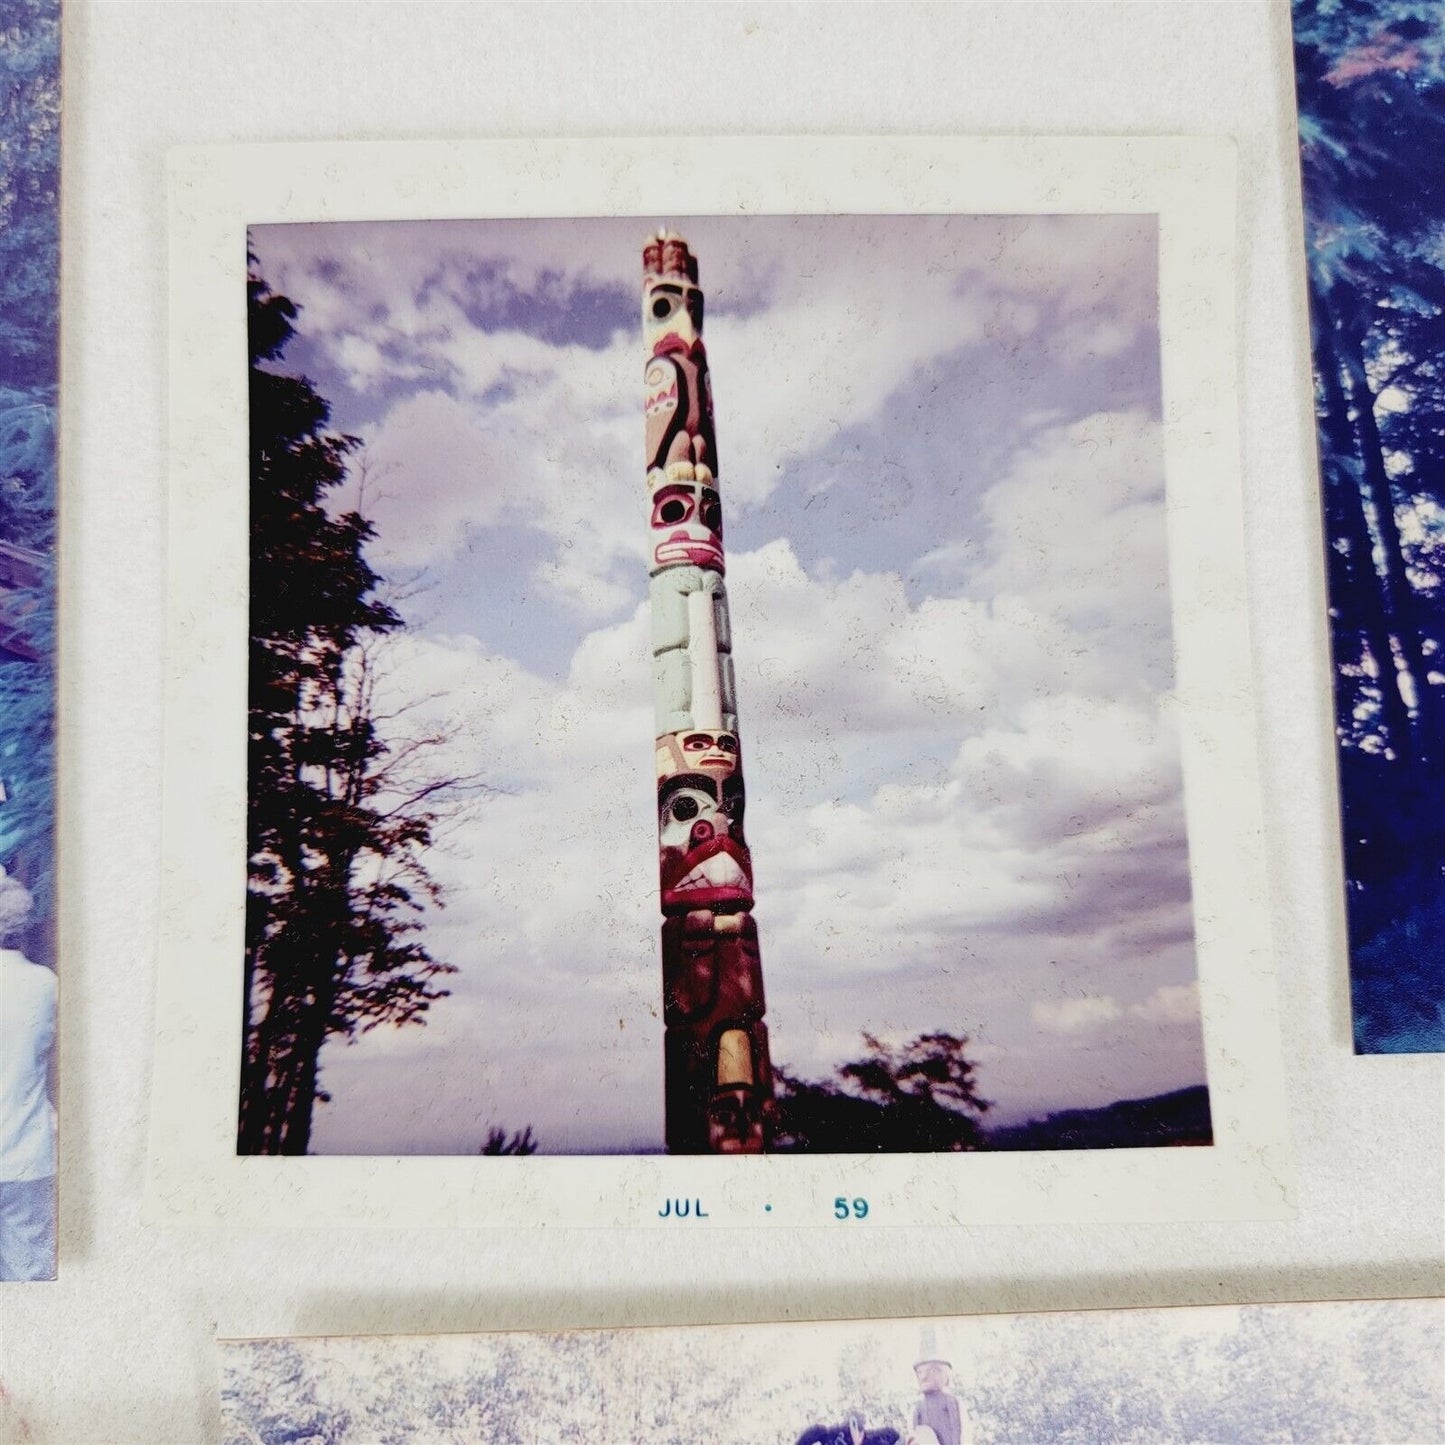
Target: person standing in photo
27, 1114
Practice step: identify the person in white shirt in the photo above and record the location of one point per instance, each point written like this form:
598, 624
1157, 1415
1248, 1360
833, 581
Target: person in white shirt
27, 1115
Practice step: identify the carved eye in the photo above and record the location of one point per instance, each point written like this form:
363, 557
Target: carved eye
711, 512
684, 808
671, 512
663, 307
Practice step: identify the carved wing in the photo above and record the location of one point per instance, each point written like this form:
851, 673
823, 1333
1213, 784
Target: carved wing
665, 416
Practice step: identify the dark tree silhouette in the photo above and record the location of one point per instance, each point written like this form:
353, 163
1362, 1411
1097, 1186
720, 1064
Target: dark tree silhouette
499, 1142
918, 1098
339, 819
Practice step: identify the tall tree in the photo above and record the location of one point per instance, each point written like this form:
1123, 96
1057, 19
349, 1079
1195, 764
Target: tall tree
338, 823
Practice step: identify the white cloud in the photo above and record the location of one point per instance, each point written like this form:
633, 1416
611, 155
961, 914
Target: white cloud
427, 471
795, 376
1176, 1003
1078, 524
1074, 1015
852, 323
849, 654
1035, 875
437, 465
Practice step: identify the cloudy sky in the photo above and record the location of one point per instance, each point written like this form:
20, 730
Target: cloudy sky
943, 492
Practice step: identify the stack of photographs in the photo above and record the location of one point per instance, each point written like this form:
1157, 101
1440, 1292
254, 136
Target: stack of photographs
709, 687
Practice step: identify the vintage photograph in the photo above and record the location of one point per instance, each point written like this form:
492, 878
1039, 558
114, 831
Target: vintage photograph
725, 651
1367, 1372
558, 528
29, 394
1371, 87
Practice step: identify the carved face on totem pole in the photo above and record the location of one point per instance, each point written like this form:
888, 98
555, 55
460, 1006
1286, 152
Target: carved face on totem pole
686, 525
671, 314
735, 1122
680, 441
702, 858
715, 753
932, 1375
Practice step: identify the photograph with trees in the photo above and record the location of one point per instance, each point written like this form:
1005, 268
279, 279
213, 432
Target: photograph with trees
1367, 1372
1371, 87
945, 504
29, 404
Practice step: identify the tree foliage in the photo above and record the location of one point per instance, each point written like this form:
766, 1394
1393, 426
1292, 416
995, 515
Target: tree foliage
498, 1142
27, 615
1258, 1374
920, 1097
340, 816
1371, 82
1365, 1371
29, 327
29, 193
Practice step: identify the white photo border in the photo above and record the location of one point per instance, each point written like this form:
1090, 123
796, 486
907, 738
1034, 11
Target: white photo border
195, 1175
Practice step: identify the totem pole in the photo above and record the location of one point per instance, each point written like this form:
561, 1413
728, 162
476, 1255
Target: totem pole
719, 1077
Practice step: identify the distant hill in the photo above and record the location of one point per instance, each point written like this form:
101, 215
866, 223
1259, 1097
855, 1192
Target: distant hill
1178, 1118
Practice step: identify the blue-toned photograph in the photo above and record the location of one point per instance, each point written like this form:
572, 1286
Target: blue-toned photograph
29, 381
1371, 83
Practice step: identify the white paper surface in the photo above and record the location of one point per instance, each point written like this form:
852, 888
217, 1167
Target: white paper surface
121, 1348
